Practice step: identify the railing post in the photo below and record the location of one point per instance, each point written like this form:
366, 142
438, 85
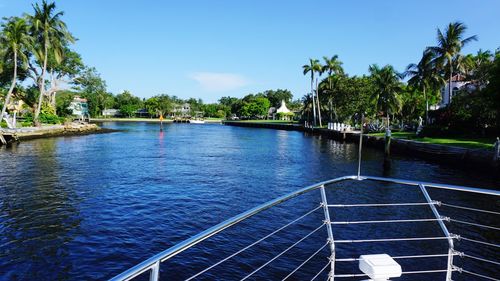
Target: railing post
155, 272
445, 231
331, 241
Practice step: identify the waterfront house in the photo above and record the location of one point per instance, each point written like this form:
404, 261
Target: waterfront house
112, 112
182, 110
458, 83
79, 107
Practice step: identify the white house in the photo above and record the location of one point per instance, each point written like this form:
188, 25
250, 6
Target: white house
457, 83
111, 112
182, 110
79, 107
284, 112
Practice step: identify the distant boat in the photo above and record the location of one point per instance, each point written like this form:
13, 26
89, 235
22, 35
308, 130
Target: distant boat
196, 121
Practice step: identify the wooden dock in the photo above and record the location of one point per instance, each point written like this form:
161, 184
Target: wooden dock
7, 137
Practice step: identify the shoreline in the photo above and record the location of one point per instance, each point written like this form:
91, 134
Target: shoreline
147, 120
74, 129
452, 155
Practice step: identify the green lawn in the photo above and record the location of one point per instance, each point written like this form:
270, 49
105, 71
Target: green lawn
467, 142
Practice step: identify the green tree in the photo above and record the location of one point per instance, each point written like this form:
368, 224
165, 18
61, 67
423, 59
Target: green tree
333, 67
64, 71
210, 110
152, 106
276, 96
387, 88
313, 67
424, 77
165, 104
255, 107
92, 87
63, 101
477, 67
448, 48
128, 103
16, 40
50, 35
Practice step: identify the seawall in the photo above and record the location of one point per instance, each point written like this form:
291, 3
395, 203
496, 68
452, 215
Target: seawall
456, 156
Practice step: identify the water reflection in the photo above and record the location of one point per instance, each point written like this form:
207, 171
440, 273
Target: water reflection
39, 216
88, 207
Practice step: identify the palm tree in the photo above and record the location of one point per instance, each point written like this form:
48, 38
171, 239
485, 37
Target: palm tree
449, 45
387, 87
476, 66
50, 34
16, 39
312, 67
307, 104
332, 66
424, 76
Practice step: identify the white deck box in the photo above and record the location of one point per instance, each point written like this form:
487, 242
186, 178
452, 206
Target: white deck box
379, 267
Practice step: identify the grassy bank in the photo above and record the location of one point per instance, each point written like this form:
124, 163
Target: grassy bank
152, 120
466, 142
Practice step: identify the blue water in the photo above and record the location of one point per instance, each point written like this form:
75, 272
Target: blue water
89, 207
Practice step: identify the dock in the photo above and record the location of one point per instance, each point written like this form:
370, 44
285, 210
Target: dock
7, 137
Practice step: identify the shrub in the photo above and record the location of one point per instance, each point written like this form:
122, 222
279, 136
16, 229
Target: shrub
48, 118
28, 120
283, 115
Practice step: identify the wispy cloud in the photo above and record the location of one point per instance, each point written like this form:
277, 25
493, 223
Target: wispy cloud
219, 82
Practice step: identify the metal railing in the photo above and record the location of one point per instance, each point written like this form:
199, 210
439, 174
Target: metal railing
153, 264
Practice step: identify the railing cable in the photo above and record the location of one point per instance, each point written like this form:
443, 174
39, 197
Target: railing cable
283, 252
403, 273
399, 257
307, 260
477, 241
392, 239
387, 221
254, 243
470, 209
474, 224
323, 269
479, 259
382, 205
477, 274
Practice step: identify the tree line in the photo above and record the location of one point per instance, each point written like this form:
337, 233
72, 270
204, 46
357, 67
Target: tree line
401, 98
39, 67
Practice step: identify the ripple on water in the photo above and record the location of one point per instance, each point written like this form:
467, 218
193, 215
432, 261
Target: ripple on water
89, 207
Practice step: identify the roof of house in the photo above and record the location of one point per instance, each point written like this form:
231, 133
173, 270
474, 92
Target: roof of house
283, 108
458, 78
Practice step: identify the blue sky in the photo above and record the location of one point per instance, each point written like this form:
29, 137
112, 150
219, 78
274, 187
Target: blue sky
209, 49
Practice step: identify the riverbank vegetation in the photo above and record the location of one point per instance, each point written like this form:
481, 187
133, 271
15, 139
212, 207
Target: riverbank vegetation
462, 90
465, 142
446, 93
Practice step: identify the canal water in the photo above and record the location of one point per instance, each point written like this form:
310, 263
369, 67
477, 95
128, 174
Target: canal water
89, 207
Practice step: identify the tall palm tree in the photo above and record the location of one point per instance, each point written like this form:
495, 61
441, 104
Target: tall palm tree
307, 105
50, 34
449, 45
424, 76
15, 37
387, 87
332, 66
313, 67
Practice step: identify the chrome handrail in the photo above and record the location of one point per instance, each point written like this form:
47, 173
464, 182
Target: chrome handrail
186, 244
154, 262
